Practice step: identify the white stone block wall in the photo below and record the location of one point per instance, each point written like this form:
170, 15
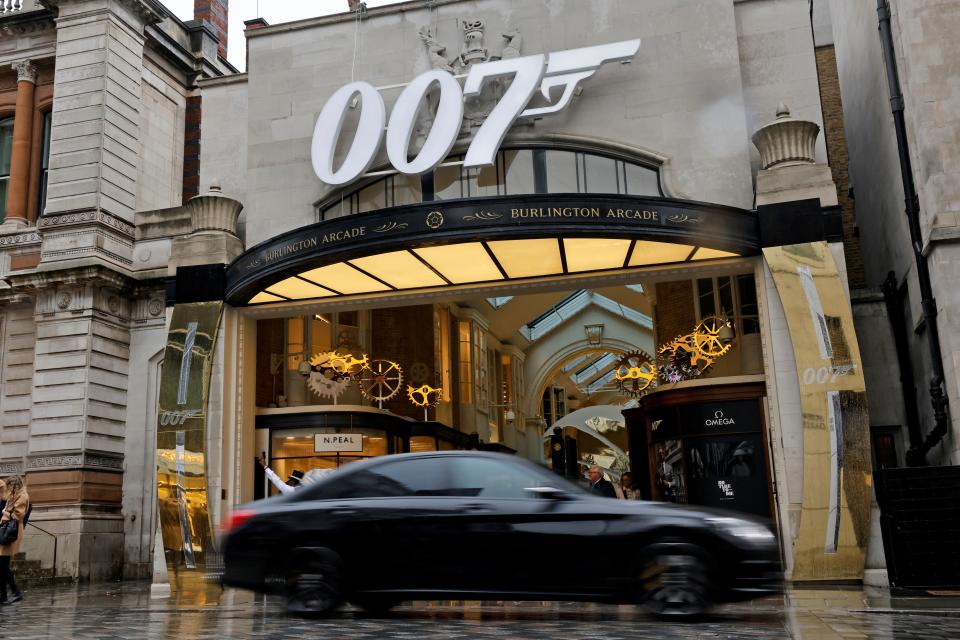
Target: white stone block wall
17, 339
160, 141
80, 375
96, 114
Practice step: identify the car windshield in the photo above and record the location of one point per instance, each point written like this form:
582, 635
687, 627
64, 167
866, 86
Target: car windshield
439, 475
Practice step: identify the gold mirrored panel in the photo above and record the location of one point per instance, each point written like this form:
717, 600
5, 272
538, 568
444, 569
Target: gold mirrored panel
837, 470
182, 479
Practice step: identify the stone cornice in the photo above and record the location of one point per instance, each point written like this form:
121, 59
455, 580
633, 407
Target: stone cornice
82, 275
70, 219
22, 237
72, 460
147, 10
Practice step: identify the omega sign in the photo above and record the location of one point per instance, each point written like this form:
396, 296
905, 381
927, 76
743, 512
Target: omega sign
718, 420
560, 69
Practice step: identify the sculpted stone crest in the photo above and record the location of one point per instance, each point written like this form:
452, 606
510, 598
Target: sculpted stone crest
473, 51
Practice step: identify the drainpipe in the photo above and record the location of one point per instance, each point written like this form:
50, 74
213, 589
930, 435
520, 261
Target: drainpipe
908, 389
917, 455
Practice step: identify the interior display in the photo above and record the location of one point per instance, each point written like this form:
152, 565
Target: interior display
683, 358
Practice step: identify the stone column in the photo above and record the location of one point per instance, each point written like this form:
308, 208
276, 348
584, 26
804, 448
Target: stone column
18, 189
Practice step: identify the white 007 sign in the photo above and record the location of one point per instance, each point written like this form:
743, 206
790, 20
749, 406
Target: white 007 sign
560, 69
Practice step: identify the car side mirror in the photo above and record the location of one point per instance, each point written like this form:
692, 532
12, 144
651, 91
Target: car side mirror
550, 493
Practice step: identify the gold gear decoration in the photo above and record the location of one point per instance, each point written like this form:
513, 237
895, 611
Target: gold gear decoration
420, 396
380, 380
635, 373
706, 337
326, 387
342, 363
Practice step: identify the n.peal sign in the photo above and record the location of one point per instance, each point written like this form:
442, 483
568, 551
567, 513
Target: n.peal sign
560, 69
327, 442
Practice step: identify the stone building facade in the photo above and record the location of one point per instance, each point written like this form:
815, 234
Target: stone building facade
717, 119
925, 53
97, 95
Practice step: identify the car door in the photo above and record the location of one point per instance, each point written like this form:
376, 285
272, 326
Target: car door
406, 542
520, 538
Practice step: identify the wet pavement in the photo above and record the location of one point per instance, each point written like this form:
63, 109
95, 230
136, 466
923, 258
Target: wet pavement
127, 610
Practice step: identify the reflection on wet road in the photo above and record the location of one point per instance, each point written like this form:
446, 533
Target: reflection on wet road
127, 611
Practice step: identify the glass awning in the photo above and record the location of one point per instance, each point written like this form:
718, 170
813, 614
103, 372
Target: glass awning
486, 261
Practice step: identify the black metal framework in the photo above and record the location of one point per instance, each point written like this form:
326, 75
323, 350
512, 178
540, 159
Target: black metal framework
427, 224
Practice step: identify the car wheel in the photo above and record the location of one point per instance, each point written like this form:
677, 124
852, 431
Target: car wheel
674, 581
314, 583
375, 605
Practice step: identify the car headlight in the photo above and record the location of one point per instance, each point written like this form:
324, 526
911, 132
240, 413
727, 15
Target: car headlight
743, 529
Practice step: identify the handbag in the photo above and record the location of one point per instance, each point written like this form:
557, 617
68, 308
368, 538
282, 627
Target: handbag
9, 531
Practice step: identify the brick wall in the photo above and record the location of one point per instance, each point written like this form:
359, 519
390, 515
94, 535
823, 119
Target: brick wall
191, 148
405, 336
214, 14
836, 139
675, 313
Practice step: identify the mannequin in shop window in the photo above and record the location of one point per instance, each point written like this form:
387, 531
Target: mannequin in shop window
296, 480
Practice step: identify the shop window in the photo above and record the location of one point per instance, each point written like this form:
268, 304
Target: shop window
446, 183
465, 369
515, 171
44, 163
639, 180
518, 172
373, 197
600, 174
483, 182
6, 149
732, 297
554, 404
563, 174
406, 190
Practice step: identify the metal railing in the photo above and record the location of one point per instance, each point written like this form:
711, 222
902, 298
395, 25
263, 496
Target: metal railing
11, 7
31, 525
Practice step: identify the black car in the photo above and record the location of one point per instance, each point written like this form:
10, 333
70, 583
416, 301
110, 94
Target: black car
472, 525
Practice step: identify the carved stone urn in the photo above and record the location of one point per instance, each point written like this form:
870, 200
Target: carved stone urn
213, 211
786, 141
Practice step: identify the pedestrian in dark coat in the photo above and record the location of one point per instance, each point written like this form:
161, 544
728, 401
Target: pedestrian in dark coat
599, 485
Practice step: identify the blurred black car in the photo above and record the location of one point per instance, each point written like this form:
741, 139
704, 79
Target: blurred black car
466, 525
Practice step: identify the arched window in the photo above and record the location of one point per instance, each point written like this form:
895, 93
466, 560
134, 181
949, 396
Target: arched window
515, 171
6, 148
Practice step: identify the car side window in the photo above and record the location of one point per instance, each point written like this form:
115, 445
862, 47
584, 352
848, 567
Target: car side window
486, 478
401, 478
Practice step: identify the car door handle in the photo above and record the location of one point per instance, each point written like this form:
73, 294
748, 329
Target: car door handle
343, 511
476, 508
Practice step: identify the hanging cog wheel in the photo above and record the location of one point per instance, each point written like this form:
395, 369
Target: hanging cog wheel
380, 380
419, 373
420, 396
327, 387
635, 373
706, 337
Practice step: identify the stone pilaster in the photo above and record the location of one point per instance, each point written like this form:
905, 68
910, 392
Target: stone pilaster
74, 462
94, 139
